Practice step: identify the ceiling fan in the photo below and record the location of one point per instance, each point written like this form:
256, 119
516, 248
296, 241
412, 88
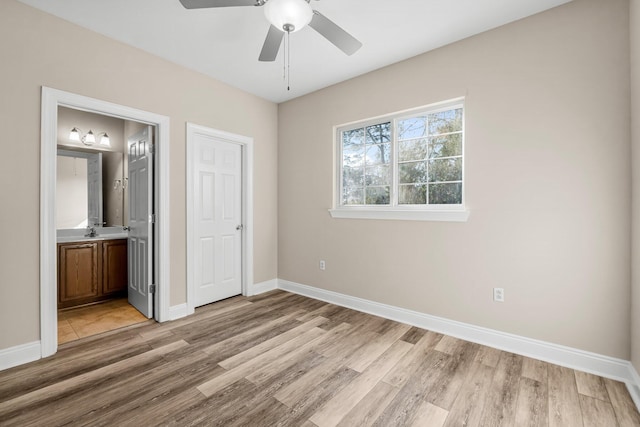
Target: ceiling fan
287, 16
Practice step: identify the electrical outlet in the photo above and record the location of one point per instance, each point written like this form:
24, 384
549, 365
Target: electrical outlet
323, 265
498, 294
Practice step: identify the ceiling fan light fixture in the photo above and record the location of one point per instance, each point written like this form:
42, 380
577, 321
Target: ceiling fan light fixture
288, 15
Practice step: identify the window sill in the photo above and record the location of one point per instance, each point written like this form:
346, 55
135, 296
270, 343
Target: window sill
458, 215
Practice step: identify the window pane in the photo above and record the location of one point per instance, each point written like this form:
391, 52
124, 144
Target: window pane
445, 121
377, 195
353, 196
445, 146
412, 172
379, 133
352, 137
378, 175
353, 155
445, 170
352, 177
414, 127
445, 194
406, 161
415, 149
412, 194
378, 153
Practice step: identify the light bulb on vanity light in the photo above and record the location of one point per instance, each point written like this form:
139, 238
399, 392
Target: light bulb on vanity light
89, 138
74, 135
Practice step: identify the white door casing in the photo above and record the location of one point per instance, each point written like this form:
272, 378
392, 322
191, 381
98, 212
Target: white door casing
51, 100
140, 241
219, 200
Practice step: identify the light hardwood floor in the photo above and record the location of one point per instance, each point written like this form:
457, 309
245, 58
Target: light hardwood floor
280, 359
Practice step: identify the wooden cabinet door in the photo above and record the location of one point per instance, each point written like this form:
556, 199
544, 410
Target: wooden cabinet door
114, 267
78, 281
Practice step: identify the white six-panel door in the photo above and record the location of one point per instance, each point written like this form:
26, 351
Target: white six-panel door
217, 216
140, 248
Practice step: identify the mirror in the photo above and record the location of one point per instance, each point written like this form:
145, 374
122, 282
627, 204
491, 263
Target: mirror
91, 189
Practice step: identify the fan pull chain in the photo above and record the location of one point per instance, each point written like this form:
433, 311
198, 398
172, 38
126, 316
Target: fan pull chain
288, 59
284, 60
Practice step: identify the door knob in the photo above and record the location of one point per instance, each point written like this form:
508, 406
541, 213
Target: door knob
240, 227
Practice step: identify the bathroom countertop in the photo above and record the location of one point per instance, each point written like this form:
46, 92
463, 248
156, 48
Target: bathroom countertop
102, 233
67, 239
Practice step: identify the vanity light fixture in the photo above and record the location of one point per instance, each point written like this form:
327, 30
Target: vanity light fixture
89, 138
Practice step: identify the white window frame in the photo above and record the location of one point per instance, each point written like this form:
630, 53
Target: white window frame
452, 213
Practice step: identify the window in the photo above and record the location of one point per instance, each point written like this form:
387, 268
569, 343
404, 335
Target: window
407, 165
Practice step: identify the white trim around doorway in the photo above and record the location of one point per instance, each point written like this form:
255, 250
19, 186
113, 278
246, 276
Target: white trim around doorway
51, 100
247, 208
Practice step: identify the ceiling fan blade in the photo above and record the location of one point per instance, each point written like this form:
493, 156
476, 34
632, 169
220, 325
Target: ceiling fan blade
199, 4
336, 35
271, 44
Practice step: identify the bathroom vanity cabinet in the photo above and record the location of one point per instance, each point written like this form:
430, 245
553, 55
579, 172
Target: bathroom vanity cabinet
90, 271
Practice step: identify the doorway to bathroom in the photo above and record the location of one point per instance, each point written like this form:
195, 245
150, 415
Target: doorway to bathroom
104, 189
98, 247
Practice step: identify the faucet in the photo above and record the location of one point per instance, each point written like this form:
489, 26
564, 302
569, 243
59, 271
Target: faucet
91, 232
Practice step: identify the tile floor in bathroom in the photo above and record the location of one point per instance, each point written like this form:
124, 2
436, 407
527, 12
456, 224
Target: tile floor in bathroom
76, 323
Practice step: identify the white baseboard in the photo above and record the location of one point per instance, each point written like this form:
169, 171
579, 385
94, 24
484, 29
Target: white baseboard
634, 388
19, 355
178, 311
262, 287
605, 366
183, 310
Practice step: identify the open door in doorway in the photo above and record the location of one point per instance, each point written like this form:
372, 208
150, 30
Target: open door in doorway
140, 250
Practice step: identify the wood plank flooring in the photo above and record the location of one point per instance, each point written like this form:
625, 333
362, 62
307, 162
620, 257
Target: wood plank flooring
280, 359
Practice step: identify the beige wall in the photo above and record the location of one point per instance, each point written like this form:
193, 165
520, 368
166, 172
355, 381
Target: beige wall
635, 184
112, 192
34, 51
548, 183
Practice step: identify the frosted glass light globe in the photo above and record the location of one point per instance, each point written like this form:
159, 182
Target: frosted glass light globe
283, 13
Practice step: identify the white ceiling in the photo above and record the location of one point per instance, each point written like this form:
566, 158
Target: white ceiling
224, 43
